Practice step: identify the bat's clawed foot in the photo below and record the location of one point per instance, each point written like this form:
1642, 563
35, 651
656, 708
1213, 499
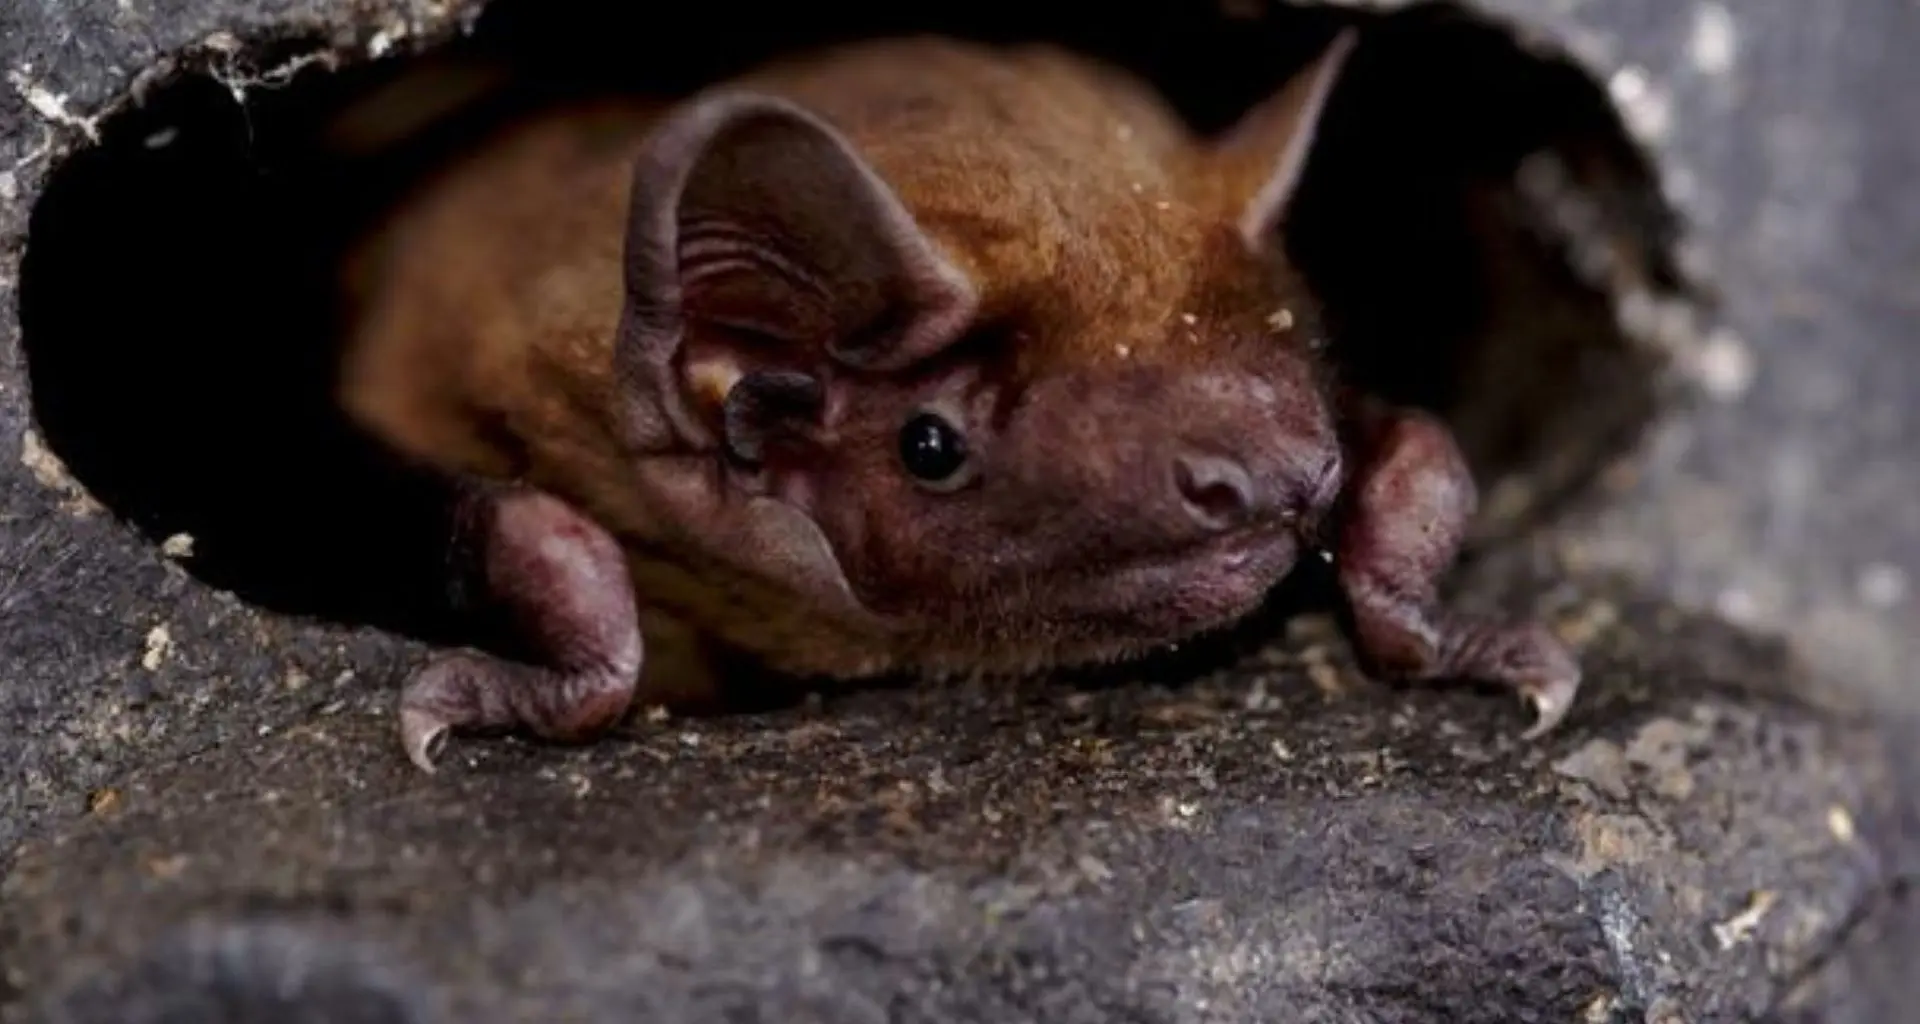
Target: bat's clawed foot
561, 582
450, 690
1524, 656
1411, 502
464, 690
1418, 642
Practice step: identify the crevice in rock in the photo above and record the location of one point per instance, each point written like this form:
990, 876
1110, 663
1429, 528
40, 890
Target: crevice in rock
178, 320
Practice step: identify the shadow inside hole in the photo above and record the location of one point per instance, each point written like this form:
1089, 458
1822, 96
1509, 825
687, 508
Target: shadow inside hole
1448, 288
178, 303
176, 313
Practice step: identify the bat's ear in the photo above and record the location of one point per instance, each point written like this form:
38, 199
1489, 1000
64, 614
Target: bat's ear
1264, 155
757, 231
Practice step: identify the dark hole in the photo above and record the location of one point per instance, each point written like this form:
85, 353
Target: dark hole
176, 290
1445, 282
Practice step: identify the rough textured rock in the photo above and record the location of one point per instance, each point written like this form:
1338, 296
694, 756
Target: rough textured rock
1250, 845
211, 822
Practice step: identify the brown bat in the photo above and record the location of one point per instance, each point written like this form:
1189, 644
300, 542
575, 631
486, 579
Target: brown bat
904, 356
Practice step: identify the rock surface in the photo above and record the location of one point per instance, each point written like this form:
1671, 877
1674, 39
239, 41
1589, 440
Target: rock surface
1278, 840
211, 821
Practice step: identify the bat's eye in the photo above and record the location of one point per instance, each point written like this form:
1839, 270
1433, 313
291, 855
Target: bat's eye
933, 450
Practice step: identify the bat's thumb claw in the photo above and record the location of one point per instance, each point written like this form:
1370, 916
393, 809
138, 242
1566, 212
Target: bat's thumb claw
423, 735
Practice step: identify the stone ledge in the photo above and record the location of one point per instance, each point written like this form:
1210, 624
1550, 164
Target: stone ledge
1277, 840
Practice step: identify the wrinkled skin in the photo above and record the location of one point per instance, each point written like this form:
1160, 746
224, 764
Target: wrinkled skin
848, 424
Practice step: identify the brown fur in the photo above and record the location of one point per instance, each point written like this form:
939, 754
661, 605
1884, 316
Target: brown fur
1093, 225
908, 355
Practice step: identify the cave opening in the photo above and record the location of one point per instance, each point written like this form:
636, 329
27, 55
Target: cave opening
177, 291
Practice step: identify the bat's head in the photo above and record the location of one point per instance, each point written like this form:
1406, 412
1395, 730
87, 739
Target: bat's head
1027, 396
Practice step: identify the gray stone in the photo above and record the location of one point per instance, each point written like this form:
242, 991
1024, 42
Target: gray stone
211, 821
1252, 844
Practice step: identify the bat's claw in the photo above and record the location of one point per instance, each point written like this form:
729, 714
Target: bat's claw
453, 689
1525, 656
1551, 699
423, 735
1538, 666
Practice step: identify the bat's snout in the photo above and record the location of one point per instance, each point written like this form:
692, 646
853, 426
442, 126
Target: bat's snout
1221, 493
1249, 455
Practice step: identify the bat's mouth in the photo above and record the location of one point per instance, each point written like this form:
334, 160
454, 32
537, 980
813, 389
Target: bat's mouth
1114, 610
1172, 595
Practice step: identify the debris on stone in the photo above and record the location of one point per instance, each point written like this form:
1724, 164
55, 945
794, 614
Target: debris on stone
1611, 841
1662, 749
1095, 869
1724, 365
159, 645
1599, 764
1840, 824
50, 105
52, 473
1586, 626
1646, 107
167, 867
1735, 929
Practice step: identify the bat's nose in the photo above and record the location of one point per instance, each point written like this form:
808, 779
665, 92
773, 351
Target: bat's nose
1221, 493
1217, 492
